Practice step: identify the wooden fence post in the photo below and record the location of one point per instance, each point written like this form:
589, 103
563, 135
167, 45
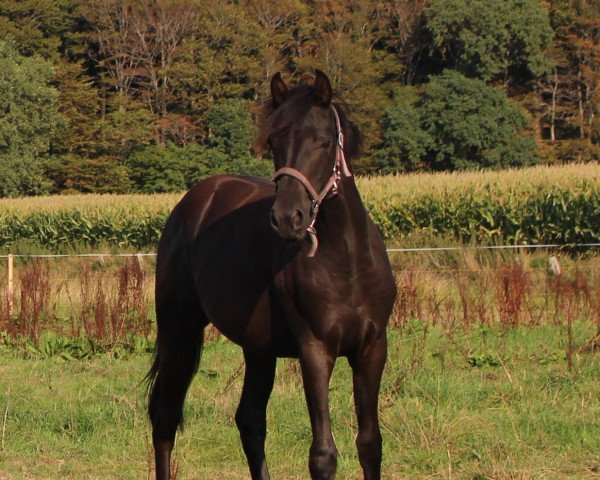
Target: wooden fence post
10, 291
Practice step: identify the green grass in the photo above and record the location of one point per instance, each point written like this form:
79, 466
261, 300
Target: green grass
488, 403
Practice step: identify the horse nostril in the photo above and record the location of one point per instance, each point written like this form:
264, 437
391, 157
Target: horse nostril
273, 219
297, 218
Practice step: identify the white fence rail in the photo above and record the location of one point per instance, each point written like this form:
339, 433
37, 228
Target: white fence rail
389, 250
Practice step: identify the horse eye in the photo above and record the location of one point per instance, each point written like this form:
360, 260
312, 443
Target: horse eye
326, 144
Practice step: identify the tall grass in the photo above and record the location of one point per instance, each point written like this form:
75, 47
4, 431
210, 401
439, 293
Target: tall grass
108, 301
76, 309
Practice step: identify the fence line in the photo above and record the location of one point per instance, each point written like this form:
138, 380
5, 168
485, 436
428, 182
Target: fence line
74, 255
554, 267
389, 250
493, 247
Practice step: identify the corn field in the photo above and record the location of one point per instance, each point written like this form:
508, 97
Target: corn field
537, 205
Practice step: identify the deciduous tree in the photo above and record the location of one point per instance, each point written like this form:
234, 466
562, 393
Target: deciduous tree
494, 41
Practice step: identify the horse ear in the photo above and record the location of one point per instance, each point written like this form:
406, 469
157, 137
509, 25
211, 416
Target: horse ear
322, 88
278, 89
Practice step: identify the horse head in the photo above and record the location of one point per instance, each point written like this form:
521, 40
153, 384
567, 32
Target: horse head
306, 137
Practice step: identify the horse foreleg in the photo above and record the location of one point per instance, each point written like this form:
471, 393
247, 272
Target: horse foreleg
317, 366
367, 368
251, 415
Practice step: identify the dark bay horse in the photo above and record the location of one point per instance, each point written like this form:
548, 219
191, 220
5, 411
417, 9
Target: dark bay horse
290, 268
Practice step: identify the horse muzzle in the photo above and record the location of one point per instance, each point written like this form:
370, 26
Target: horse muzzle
290, 224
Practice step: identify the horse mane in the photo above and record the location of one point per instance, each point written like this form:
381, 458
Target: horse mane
302, 97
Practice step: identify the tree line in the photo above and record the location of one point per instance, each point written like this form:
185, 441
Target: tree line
152, 95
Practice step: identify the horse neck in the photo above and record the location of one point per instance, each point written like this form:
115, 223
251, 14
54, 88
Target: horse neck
343, 220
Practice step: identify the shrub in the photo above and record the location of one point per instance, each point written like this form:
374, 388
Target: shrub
71, 173
22, 176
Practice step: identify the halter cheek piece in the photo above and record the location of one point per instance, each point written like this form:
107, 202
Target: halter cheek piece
340, 168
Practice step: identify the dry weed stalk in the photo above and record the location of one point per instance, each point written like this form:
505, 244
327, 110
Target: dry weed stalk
129, 310
408, 301
514, 285
35, 313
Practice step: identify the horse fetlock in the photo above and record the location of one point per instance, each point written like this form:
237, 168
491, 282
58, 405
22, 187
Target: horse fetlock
323, 461
368, 441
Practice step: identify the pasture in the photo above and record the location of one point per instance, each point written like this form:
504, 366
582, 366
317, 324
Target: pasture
491, 374
493, 367
480, 403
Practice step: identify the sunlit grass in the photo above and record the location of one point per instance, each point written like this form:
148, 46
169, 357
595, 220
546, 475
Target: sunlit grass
518, 413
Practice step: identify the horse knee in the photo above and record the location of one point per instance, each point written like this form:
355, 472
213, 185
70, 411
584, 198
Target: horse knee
323, 461
250, 425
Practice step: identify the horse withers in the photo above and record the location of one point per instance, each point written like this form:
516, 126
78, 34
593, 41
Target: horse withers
292, 267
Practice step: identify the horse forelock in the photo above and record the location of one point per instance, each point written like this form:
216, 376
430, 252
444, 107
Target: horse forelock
300, 99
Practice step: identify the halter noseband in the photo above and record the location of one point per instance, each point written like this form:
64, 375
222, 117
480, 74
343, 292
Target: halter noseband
330, 189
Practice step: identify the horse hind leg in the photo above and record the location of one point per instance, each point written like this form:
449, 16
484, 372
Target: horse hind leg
179, 346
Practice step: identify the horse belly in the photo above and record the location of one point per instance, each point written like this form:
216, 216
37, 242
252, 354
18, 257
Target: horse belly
252, 324
234, 285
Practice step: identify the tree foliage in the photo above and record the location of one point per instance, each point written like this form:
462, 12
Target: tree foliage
73, 174
502, 40
130, 94
230, 134
457, 123
172, 168
28, 116
573, 91
405, 143
22, 175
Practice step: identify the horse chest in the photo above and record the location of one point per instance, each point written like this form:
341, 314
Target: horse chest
334, 305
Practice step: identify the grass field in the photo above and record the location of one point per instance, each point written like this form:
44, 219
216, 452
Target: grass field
474, 404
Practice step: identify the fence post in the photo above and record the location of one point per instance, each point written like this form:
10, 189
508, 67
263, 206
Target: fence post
10, 291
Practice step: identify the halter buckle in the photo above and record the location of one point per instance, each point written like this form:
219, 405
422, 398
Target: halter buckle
314, 207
